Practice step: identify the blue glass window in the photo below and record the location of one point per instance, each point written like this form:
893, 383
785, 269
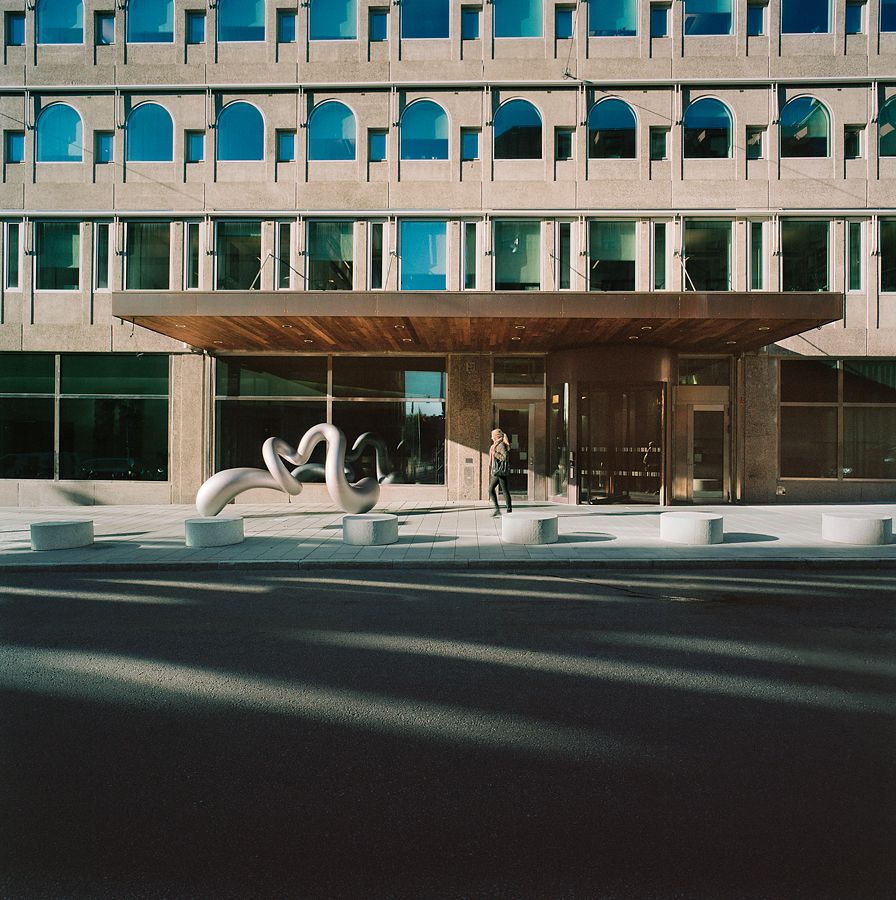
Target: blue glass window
104, 146
59, 133
609, 18
240, 133
194, 146
424, 131
886, 128
805, 129
855, 18
286, 146
469, 24
150, 21
424, 265
805, 16
333, 20
518, 18
469, 144
756, 19
60, 22
379, 25
659, 21
888, 15
377, 145
150, 134
15, 29
15, 146
612, 130
424, 18
105, 29
331, 132
563, 22
195, 28
707, 130
707, 16
517, 129
241, 20
286, 27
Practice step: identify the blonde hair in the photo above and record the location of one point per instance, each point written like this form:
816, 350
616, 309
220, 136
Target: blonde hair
497, 434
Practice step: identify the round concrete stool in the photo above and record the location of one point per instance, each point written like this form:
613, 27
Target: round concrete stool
857, 528
691, 528
529, 527
213, 532
61, 535
370, 529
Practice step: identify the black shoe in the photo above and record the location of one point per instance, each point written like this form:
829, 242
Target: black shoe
496, 513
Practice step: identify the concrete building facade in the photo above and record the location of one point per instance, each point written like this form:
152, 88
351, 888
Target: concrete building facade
654, 242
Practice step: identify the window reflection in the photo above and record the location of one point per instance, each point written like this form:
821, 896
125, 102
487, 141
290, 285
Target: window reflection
424, 18
805, 16
424, 131
330, 256
707, 250
150, 134
59, 134
612, 130
241, 20
518, 18
805, 255
707, 17
517, 128
611, 256
240, 133
517, 251
707, 130
239, 256
333, 20
609, 18
331, 132
150, 21
60, 22
805, 129
424, 263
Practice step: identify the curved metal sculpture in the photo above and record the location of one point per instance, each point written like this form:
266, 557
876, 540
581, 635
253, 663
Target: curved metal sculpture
223, 486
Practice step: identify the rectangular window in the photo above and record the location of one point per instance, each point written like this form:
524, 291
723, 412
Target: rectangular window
469, 23
377, 145
286, 26
424, 18
564, 256
423, 253
659, 256
707, 255
284, 255
26, 423
517, 252
471, 256
888, 15
704, 370
192, 268
238, 251
57, 256
194, 146
519, 18
755, 142
330, 256
612, 18
15, 29
757, 256
105, 28
563, 22
15, 146
756, 18
286, 146
195, 27
659, 143
702, 17
659, 21
469, 144
101, 249
402, 378
611, 256
805, 255
148, 256
888, 255
854, 255
376, 256
379, 25
12, 253
103, 147
808, 442
516, 371
853, 141
805, 16
563, 143
855, 18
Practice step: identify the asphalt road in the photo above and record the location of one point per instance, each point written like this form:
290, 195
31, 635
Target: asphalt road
435, 734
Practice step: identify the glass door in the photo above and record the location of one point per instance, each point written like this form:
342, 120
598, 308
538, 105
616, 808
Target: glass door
708, 453
514, 421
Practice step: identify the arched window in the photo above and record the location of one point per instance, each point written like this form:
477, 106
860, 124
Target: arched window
805, 16
612, 129
59, 135
150, 134
805, 129
519, 18
886, 128
424, 131
240, 133
150, 21
424, 19
60, 22
517, 131
331, 132
707, 16
333, 20
241, 20
707, 130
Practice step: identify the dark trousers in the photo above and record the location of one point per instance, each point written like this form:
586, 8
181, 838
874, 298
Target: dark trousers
492, 493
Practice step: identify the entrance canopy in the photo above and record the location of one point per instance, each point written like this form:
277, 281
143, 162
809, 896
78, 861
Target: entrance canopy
509, 321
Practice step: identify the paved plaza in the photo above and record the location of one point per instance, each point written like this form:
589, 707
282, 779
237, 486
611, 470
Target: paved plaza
457, 535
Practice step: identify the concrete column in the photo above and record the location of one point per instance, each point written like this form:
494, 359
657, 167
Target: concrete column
188, 463
468, 425
760, 422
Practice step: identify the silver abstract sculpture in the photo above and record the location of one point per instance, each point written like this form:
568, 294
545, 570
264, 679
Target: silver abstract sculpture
223, 486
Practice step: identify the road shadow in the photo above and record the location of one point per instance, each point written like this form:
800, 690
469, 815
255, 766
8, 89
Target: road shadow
734, 537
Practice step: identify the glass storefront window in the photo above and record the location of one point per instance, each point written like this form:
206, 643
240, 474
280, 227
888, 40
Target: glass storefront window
239, 252
869, 442
611, 251
558, 441
271, 376
808, 441
423, 248
869, 381
805, 255
808, 380
330, 256
27, 373
419, 378
109, 373
707, 250
148, 256
517, 252
26, 434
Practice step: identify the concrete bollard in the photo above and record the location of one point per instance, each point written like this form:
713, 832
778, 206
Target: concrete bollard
61, 535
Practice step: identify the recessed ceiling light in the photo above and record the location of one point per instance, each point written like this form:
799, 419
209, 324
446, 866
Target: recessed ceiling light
730, 342
763, 327
647, 328
633, 337
180, 326
308, 341
520, 327
399, 326
516, 339
406, 340
218, 342
286, 326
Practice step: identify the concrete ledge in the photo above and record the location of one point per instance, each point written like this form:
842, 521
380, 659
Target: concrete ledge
370, 529
691, 528
213, 531
857, 528
529, 527
61, 535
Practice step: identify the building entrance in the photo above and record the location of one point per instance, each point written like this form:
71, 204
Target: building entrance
702, 453
514, 420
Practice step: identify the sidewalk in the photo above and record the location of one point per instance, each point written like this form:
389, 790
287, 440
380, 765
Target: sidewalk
449, 535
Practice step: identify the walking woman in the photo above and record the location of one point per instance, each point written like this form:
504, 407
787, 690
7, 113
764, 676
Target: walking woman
498, 455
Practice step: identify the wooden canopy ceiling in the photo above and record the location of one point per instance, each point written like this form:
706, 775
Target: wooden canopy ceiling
430, 322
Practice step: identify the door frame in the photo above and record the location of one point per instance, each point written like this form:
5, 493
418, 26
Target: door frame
723, 408
530, 405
